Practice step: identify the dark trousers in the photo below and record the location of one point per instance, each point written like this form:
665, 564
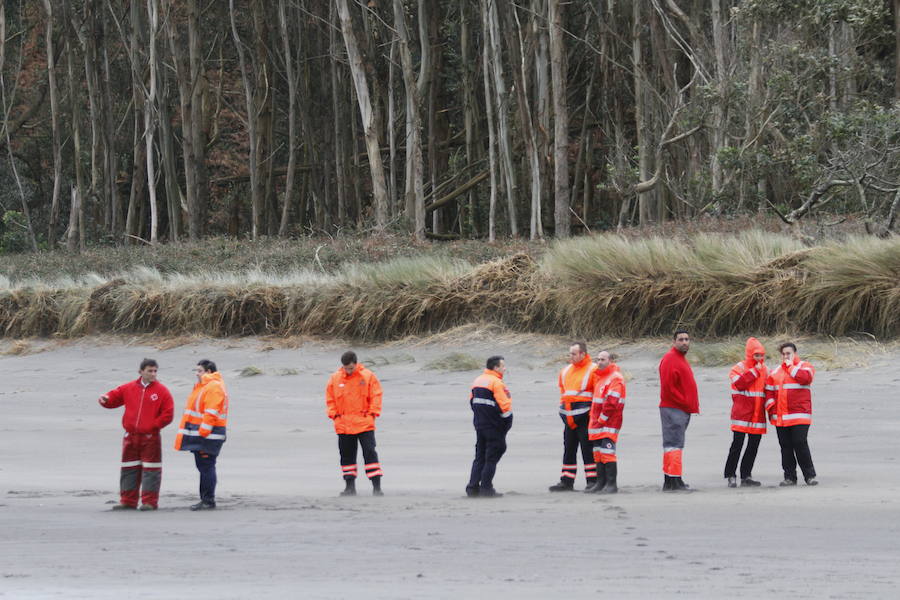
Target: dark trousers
734, 453
572, 439
490, 444
206, 464
794, 450
347, 444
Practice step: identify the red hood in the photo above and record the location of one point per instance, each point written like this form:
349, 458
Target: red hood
754, 346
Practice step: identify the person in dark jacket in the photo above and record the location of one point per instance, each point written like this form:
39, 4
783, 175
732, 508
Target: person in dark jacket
678, 401
492, 417
148, 408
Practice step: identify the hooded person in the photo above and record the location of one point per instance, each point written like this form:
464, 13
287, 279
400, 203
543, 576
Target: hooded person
748, 414
605, 422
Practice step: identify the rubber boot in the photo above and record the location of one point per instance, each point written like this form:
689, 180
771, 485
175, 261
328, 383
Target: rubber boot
668, 486
680, 485
612, 470
732, 482
564, 485
350, 490
598, 482
472, 491
376, 486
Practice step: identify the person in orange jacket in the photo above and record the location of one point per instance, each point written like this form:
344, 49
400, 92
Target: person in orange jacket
748, 415
353, 402
203, 428
789, 404
148, 408
678, 400
605, 423
576, 388
492, 417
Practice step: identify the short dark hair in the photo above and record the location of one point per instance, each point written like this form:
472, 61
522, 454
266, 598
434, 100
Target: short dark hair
348, 358
207, 365
493, 362
787, 345
679, 332
148, 362
581, 346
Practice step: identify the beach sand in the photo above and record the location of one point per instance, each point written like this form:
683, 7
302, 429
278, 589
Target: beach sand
281, 531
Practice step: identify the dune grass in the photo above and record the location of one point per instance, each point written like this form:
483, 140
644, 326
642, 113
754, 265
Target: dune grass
752, 283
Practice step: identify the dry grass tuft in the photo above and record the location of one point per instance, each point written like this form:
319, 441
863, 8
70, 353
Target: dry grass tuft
455, 361
250, 371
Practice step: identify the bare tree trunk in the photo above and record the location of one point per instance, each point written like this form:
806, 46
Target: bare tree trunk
896, 49
150, 116
114, 226
198, 199
138, 168
542, 82
291, 76
370, 129
637, 58
340, 127
76, 233
489, 112
390, 131
54, 117
87, 37
756, 100
252, 126
560, 120
496, 64
167, 162
718, 117
415, 192
468, 221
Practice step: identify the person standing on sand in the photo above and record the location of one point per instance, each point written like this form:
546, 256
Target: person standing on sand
576, 385
605, 423
353, 402
492, 417
748, 415
678, 401
148, 408
203, 428
789, 404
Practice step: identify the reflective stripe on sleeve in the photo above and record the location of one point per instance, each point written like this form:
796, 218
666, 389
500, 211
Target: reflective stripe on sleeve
749, 394
795, 386
484, 401
506, 414
796, 416
193, 413
206, 426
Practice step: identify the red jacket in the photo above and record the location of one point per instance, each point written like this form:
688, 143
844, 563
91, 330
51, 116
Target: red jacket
788, 396
608, 404
147, 409
353, 401
677, 388
748, 391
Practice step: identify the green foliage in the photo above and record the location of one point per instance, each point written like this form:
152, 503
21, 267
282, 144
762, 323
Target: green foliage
14, 232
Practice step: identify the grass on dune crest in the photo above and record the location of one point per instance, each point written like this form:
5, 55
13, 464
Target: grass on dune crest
605, 285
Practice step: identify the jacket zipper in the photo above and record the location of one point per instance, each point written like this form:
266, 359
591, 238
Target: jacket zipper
140, 408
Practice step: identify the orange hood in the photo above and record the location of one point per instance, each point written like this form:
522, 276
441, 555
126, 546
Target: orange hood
753, 347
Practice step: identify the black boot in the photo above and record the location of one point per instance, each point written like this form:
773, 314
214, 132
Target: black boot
565, 484
668, 485
350, 489
680, 485
472, 491
376, 486
598, 482
612, 470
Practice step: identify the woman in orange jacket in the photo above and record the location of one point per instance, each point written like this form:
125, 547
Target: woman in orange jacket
353, 401
789, 404
748, 416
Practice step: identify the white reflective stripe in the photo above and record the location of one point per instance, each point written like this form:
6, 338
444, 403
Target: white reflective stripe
193, 413
795, 369
606, 451
577, 411
748, 424
750, 394
735, 378
615, 394
506, 414
587, 377
598, 400
585, 394
670, 448
796, 416
132, 463
206, 426
147, 465
603, 430
772, 388
188, 432
770, 402
604, 417
795, 386
213, 411
484, 401
215, 436
571, 393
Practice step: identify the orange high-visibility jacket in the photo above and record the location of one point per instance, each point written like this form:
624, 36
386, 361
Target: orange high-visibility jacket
576, 388
491, 402
353, 401
205, 417
788, 395
748, 391
608, 404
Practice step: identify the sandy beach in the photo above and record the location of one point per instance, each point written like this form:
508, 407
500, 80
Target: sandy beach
282, 531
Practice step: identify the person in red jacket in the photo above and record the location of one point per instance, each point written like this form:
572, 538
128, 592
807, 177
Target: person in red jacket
605, 422
789, 404
148, 408
353, 402
748, 416
678, 401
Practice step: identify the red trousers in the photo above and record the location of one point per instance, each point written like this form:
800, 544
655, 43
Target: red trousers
141, 467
